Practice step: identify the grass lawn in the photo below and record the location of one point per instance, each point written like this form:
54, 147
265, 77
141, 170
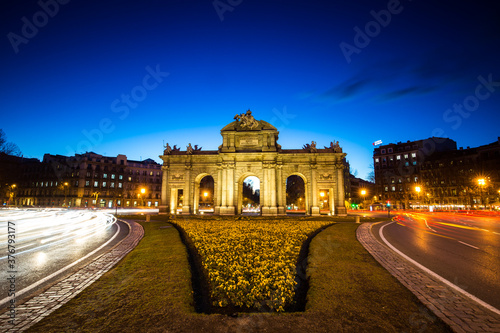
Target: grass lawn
150, 291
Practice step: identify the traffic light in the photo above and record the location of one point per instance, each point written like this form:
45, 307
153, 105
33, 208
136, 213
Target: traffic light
388, 203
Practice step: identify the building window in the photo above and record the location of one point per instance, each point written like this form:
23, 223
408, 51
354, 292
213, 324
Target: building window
112, 185
389, 150
415, 179
120, 177
382, 151
96, 183
414, 163
119, 185
413, 155
407, 163
393, 188
87, 183
398, 157
406, 156
103, 184
112, 176
105, 175
376, 160
386, 188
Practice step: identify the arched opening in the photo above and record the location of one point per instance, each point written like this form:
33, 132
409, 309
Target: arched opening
295, 195
324, 201
250, 202
206, 195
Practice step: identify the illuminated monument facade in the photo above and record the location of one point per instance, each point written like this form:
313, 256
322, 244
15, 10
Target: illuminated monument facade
250, 148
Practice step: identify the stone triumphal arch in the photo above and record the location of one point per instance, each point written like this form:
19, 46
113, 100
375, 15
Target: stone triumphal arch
250, 148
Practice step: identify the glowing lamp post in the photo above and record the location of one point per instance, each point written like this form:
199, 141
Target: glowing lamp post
141, 195
363, 194
11, 193
481, 182
418, 189
65, 186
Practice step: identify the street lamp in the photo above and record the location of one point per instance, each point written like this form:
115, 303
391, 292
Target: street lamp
363, 194
481, 182
418, 189
65, 185
143, 190
96, 195
11, 193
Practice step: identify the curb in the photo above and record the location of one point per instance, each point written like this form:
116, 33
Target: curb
461, 313
42, 305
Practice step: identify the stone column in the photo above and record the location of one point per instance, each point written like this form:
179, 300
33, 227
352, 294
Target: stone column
281, 186
218, 190
165, 197
264, 190
224, 187
331, 203
273, 190
186, 205
314, 189
340, 207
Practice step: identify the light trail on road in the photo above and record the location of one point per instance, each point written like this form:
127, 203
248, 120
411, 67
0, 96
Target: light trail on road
39, 229
41, 245
463, 249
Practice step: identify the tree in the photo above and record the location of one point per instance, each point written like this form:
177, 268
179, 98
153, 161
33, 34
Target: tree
8, 148
371, 174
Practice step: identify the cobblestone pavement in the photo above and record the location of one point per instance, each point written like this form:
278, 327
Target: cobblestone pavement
461, 313
42, 305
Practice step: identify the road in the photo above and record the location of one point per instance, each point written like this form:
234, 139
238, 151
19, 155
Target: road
44, 242
463, 249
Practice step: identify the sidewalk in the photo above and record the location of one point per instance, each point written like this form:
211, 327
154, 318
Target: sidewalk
459, 312
42, 305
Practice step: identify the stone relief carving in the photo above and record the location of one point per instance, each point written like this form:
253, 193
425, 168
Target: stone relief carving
325, 176
177, 176
247, 120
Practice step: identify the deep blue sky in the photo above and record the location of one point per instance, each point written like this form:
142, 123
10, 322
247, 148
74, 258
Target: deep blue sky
281, 59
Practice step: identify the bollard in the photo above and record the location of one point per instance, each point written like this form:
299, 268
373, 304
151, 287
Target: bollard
357, 219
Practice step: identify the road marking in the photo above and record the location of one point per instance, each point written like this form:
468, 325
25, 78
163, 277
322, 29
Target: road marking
428, 226
496, 233
435, 275
469, 245
47, 278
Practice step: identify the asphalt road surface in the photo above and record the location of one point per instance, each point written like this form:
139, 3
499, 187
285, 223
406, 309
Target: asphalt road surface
41, 243
462, 248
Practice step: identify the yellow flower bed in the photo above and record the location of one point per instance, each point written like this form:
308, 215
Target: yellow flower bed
250, 263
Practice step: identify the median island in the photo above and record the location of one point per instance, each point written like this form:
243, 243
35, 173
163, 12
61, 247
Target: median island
238, 274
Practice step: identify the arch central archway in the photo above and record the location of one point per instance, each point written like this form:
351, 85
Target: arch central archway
249, 196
